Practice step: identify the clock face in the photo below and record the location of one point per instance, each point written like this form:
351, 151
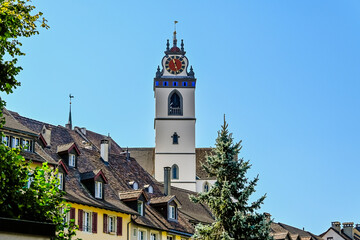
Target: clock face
175, 64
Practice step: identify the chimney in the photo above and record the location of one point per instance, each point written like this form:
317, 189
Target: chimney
83, 130
348, 228
167, 181
104, 150
336, 226
46, 133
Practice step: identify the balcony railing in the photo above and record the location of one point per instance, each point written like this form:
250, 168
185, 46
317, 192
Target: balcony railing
175, 111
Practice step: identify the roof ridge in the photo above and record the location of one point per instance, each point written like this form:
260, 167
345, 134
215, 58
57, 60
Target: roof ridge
31, 119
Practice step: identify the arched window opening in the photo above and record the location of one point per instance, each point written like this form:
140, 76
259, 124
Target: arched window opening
175, 103
175, 172
206, 187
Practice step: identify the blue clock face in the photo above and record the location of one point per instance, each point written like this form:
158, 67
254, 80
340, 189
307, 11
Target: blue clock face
175, 64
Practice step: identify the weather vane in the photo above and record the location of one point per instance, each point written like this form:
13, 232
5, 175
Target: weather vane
70, 96
175, 22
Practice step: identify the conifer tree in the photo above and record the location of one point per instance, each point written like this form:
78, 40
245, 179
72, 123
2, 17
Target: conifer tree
228, 198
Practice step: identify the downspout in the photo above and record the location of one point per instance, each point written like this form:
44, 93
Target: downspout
128, 229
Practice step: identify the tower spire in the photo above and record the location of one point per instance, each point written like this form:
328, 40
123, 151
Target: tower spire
69, 124
174, 39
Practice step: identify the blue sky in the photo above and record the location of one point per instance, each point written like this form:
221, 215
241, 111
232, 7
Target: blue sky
285, 73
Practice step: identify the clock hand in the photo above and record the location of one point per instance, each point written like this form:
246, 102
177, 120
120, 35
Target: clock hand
175, 64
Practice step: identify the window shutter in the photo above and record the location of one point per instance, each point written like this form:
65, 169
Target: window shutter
105, 223
80, 219
72, 213
94, 225
119, 226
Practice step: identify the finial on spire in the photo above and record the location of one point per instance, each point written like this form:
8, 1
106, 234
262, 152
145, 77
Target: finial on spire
191, 73
158, 73
69, 124
175, 40
182, 44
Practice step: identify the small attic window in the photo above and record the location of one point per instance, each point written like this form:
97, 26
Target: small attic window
98, 190
134, 185
172, 212
149, 189
72, 160
140, 208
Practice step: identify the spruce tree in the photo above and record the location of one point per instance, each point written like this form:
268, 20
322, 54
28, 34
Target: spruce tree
228, 198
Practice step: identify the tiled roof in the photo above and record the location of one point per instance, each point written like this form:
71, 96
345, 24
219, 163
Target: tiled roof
163, 199
280, 231
135, 194
13, 124
64, 147
193, 212
119, 171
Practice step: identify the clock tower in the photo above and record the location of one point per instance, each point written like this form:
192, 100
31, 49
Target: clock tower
174, 90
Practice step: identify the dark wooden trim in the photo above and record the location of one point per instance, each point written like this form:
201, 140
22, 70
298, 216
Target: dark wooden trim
169, 118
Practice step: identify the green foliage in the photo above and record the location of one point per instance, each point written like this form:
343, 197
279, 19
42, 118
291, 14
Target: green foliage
16, 20
41, 202
228, 198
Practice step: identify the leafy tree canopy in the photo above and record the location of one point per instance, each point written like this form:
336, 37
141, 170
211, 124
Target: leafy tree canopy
228, 198
26, 193
16, 20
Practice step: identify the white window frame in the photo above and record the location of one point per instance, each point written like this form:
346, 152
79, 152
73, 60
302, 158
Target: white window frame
60, 176
6, 140
87, 222
27, 145
154, 236
30, 180
172, 212
72, 160
142, 233
111, 227
141, 208
66, 218
98, 190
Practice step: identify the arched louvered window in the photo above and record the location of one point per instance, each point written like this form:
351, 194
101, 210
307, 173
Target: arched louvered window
175, 103
175, 172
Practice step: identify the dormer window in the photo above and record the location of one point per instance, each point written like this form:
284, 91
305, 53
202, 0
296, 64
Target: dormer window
134, 185
172, 212
69, 153
72, 159
149, 188
98, 190
135, 199
94, 182
167, 206
140, 207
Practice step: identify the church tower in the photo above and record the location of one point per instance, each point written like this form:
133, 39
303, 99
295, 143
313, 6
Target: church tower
174, 89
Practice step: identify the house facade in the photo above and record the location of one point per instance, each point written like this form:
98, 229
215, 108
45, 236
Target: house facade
111, 195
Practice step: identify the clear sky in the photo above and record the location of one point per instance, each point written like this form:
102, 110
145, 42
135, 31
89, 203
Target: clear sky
285, 73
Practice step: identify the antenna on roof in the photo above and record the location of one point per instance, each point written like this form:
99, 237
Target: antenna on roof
69, 124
